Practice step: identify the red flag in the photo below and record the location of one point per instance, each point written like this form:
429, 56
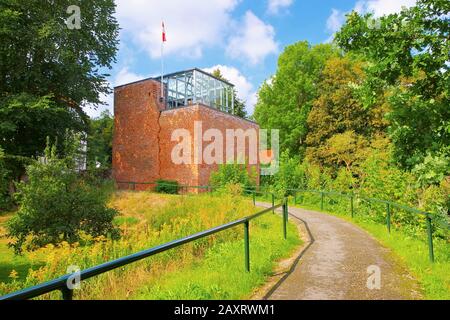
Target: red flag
164, 39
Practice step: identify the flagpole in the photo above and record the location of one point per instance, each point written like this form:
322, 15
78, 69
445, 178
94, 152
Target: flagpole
162, 70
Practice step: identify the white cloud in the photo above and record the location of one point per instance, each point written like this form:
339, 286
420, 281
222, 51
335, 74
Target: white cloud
335, 20
275, 6
253, 41
125, 76
382, 7
377, 7
190, 25
244, 88
108, 99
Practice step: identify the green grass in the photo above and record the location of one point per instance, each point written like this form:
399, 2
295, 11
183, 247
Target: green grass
8, 260
434, 278
221, 274
147, 220
129, 221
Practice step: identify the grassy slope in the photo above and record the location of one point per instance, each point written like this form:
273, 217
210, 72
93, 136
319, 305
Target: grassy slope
150, 219
8, 260
434, 278
221, 275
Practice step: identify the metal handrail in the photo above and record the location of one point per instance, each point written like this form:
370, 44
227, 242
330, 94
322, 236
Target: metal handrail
389, 205
254, 192
61, 283
181, 186
355, 195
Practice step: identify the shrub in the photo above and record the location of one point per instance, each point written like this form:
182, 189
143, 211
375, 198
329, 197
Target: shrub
97, 176
344, 181
57, 206
314, 177
233, 174
381, 179
432, 170
435, 199
167, 186
291, 175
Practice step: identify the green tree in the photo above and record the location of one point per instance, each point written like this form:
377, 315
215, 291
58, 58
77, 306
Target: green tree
342, 148
25, 124
40, 55
4, 183
340, 128
99, 140
56, 205
49, 72
409, 55
285, 101
239, 105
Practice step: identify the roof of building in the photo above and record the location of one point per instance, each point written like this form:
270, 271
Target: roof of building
173, 74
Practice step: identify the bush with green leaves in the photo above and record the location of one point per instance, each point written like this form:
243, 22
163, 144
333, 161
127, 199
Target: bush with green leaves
432, 170
100, 141
291, 175
233, 174
344, 181
57, 205
167, 186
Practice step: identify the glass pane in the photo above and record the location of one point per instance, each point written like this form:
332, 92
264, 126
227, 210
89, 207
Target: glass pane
187, 88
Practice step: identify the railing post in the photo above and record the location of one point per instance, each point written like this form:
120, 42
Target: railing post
430, 238
321, 201
273, 202
247, 245
254, 198
285, 217
295, 198
388, 217
67, 294
351, 206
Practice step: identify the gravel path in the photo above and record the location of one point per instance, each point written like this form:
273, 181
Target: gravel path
335, 264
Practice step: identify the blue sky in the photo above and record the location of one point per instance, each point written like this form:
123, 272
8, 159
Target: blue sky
242, 37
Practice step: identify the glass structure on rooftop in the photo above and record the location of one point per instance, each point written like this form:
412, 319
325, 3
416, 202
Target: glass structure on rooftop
196, 86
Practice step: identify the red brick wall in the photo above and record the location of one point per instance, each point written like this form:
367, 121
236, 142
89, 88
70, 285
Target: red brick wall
142, 143
170, 120
135, 143
184, 118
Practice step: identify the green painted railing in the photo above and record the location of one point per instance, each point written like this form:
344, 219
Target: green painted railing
185, 188
429, 217
62, 283
390, 205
